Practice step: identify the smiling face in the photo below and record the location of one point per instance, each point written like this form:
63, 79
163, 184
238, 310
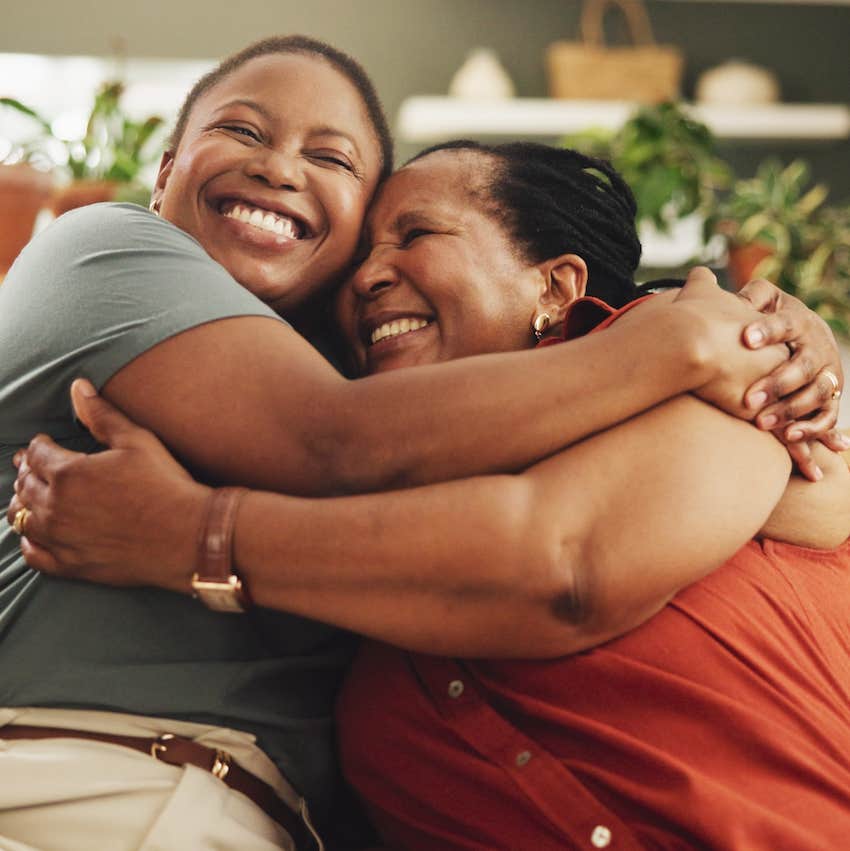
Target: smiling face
442, 279
273, 174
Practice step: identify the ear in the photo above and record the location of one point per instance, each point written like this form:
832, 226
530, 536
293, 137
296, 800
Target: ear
565, 280
165, 166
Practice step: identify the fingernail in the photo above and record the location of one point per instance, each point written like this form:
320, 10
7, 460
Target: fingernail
754, 336
769, 421
844, 441
794, 434
818, 473
756, 400
85, 387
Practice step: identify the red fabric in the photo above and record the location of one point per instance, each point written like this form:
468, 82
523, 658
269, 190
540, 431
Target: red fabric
722, 723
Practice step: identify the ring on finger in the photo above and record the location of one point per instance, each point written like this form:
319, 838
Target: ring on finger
19, 524
832, 378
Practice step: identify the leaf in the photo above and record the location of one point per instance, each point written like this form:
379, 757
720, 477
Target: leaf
28, 111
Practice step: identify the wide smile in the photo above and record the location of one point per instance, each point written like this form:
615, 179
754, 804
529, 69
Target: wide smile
397, 327
275, 222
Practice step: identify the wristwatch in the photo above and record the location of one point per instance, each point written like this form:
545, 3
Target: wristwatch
214, 582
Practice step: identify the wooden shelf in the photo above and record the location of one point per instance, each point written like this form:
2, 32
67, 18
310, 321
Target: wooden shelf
430, 119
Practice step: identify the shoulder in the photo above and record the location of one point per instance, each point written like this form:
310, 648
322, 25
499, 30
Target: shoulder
112, 226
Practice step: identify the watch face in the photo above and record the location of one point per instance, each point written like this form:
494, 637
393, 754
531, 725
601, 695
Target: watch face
221, 596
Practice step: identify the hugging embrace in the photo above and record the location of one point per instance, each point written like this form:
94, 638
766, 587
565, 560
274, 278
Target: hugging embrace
599, 608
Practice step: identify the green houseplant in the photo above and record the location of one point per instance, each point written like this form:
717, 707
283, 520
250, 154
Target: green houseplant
778, 227
105, 162
669, 160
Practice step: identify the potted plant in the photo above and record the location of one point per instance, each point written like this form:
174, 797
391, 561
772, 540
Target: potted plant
26, 185
105, 162
671, 163
822, 278
778, 227
24, 190
766, 219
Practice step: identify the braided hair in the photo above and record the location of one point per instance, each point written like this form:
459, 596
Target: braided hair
553, 201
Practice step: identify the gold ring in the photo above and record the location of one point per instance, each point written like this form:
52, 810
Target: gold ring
833, 380
19, 524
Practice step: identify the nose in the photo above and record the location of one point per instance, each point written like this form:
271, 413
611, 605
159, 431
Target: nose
277, 169
375, 274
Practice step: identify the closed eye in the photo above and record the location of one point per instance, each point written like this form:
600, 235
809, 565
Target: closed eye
241, 131
413, 234
333, 159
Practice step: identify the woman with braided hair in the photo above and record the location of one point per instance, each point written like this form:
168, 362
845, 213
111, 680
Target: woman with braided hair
468, 248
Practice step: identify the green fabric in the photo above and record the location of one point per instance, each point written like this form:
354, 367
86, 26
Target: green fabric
97, 288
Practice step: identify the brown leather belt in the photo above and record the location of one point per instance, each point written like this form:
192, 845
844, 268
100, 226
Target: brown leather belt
176, 750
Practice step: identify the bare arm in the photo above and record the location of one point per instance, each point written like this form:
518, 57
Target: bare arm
579, 548
814, 514
272, 413
248, 401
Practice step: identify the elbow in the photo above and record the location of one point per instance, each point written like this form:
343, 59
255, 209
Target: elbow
554, 586
577, 604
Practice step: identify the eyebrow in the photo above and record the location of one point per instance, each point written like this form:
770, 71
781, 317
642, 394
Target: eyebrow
251, 104
322, 130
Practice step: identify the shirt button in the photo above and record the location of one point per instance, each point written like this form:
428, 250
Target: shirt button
522, 758
601, 837
455, 688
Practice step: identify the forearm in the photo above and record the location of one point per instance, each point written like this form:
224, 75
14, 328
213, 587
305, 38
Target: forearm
583, 547
276, 416
442, 569
460, 419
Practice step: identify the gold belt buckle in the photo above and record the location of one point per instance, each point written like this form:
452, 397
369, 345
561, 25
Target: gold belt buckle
221, 766
160, 746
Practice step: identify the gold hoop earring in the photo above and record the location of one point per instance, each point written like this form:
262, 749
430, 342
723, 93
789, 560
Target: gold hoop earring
154, 207
540, 324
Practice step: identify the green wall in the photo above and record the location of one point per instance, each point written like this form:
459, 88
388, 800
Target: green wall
413, 46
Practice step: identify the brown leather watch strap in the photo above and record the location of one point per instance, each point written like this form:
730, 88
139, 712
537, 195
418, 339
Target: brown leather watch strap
214, 581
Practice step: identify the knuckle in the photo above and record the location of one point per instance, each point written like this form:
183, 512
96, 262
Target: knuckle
790, 410
781, 384
789, 326
807, 366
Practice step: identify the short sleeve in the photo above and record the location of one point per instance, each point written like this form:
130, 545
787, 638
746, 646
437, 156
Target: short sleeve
97, 288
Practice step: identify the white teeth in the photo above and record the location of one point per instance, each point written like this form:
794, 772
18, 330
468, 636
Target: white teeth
397, 327
264, 220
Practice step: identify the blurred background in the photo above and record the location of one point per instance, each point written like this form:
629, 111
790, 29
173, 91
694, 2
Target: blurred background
415, 46
762, 121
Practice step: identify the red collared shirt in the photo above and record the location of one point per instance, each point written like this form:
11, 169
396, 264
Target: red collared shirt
722, 723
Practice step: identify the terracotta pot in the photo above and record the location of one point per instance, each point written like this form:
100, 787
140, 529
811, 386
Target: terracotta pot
743, 260
80, 193
23, 192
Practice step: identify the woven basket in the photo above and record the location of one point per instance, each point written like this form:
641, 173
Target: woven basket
645, 72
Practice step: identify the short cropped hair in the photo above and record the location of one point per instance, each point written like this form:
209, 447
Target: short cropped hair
299, 44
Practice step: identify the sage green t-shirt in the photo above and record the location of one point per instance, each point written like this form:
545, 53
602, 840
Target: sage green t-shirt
97, 288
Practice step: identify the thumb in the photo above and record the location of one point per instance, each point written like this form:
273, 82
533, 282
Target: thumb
105, 422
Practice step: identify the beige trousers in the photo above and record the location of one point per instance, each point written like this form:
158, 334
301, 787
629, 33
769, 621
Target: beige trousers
79, 795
